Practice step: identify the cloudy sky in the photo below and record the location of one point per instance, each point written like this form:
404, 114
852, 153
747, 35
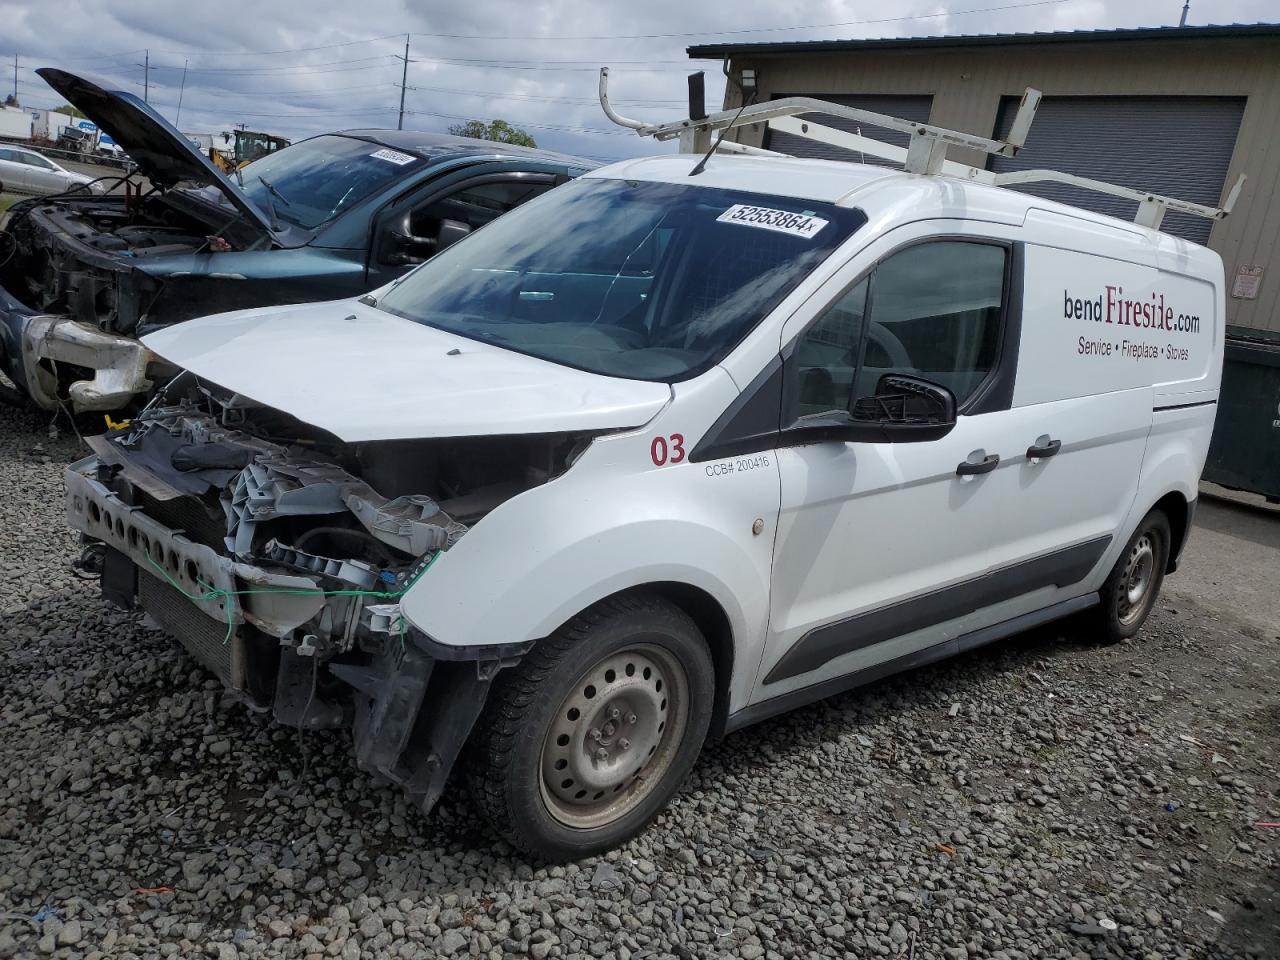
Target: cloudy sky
308, 66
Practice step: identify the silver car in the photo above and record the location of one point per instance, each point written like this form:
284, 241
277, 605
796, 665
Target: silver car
25, 171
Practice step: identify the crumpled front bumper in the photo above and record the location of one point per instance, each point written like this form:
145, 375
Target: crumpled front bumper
218, 585
33, 344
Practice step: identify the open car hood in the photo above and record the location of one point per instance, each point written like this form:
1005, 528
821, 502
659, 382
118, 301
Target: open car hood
363, 374
163, 155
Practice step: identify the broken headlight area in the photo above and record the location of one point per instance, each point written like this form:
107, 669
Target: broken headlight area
276, 555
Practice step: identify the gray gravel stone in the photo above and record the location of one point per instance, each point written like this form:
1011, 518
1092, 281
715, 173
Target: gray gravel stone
1009, 830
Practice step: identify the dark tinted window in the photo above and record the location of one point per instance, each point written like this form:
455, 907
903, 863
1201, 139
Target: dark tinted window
317, 179
935, 312
475, 206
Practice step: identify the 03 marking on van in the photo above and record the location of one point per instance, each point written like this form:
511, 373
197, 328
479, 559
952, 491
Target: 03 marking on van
784, 221
664, 450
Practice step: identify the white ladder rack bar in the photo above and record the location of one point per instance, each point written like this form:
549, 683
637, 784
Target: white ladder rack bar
926, 153
1151, 206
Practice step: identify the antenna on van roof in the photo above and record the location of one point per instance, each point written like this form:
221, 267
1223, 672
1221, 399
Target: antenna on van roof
926, 152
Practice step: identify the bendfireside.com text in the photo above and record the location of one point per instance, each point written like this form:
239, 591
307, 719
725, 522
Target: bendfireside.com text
1113, 307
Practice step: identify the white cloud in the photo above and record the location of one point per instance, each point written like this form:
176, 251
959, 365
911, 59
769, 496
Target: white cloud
300, 92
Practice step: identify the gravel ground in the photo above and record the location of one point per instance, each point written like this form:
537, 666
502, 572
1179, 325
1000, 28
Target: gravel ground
1044, 797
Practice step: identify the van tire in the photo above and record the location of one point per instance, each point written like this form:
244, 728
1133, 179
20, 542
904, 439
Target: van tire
537, 721
1130, 591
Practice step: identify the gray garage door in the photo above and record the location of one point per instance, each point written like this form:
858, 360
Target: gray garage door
914, 108
1178, 146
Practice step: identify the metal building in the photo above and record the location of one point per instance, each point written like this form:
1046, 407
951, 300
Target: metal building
1167, 109
1174, 110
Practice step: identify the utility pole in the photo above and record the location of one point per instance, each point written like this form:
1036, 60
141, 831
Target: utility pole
146, 74
1186, 7
181, 88
400, 123
15, 79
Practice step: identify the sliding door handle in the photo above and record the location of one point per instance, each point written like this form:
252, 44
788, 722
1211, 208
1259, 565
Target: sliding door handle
1043, 451
985, 465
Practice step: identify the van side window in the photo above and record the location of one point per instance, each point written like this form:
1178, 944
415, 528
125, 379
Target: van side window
934, 311
827, 354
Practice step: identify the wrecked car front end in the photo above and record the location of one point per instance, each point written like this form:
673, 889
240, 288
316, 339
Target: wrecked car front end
80, 277
277, 555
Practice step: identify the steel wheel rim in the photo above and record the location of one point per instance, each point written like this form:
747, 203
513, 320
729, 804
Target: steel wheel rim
1136, 581
613, 736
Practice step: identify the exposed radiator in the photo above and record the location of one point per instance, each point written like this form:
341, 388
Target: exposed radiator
191, 516
200, 635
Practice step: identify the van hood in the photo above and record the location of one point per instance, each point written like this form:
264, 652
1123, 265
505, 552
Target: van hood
163, 155
363, 374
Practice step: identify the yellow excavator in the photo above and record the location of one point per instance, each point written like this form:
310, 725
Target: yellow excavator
235, 148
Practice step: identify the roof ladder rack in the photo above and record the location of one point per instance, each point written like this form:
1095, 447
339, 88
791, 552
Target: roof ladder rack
926, 152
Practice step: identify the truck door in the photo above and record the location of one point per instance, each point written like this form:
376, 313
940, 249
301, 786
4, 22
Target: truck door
881, 548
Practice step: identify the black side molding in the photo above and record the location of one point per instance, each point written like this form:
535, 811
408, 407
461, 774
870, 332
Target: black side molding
1185, 406
830, 688
822, 644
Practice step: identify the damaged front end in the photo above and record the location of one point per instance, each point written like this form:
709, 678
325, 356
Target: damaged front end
277, 555
79, 280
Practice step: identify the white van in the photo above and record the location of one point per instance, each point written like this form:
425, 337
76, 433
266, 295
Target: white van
657, 456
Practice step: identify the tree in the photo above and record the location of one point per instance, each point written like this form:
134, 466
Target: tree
69, 110
498, 130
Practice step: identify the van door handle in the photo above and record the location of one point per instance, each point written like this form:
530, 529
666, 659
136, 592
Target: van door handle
1043, 451
985, 465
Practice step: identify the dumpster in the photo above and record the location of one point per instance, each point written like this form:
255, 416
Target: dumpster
1245, 451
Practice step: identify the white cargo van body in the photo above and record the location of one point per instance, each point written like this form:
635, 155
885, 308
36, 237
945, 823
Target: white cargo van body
966, 411
853, 529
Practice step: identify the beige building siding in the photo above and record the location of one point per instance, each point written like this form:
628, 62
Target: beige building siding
967, 85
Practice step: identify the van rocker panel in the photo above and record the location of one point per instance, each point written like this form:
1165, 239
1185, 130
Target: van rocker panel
1062, 568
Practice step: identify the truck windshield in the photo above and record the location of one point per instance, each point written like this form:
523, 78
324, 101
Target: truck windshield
317, 179
649, 281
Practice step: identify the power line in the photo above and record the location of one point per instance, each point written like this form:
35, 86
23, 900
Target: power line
293, 68
538, 98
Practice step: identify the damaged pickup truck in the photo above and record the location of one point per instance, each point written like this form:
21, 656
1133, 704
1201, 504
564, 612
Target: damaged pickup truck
83, 277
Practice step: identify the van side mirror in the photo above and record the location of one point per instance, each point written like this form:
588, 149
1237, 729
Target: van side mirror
907, 408
904, 409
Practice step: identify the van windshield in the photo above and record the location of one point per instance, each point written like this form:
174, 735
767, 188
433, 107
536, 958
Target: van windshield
649, 281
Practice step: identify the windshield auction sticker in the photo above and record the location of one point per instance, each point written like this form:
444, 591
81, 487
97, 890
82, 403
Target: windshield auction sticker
393, 156
783, 221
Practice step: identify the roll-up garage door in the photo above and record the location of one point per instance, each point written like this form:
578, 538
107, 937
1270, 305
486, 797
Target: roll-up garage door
915, 108
1178, 146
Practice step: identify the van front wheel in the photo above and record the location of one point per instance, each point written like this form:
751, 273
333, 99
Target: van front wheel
588, 737
1130, 591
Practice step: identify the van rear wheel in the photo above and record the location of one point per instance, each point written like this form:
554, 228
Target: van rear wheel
586, 740
1130, 591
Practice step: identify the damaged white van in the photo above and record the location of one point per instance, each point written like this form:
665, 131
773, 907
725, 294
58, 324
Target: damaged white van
656, 456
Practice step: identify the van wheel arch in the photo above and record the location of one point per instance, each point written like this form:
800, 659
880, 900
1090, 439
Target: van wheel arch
1176, 509
711, 620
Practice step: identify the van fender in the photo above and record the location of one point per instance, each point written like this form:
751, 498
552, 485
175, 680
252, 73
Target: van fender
621, 518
